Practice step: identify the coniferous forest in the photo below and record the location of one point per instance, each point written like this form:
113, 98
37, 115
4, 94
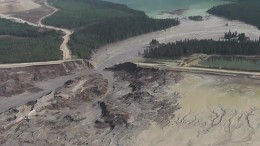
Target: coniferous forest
96, 23
244, 10
25, 43
239, 46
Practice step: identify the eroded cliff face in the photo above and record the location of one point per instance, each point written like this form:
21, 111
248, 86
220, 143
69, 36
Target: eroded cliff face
15, 81
86, 111
60, 117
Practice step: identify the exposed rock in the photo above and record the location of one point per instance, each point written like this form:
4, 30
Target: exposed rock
15, 81
68, 83
127, 66
83, 112
55, 120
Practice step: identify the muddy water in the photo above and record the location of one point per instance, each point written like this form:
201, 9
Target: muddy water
201, 92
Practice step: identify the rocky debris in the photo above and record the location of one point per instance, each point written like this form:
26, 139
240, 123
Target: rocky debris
68, 83
144, 76
94, 86
110, 117
83, 113
62, 117
137, 99
15, 81
13, 86
127, 66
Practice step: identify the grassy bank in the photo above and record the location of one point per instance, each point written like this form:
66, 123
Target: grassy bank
96, 23
244, 10
24, 43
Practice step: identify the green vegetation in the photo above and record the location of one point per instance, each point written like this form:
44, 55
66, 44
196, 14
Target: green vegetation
24, 43
241, 37
239, 46
244, 10
8, 27
16, 49
74, 14
196, 18
96, 23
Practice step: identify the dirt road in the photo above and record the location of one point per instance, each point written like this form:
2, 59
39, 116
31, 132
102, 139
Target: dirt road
216, 125
15, 65
201, 70
66, 37
67, 33
127, 50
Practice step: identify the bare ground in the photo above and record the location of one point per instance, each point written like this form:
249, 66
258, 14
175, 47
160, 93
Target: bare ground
33, 15
211, 28
215, 110
153, 107
67, 33
142, 107
9, 6
84, 111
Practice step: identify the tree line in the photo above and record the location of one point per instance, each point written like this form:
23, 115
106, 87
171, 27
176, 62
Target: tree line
97, 23
207, 46
241, 37
114, 30
244, 10
25, 43
8, 27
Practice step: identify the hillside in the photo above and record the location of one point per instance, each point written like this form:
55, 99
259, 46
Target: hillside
244, 10
25, 43
96, 23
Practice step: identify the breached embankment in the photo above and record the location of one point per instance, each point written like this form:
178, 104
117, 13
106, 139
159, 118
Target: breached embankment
30, 80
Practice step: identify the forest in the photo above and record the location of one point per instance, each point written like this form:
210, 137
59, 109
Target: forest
8, 27
25, 43
96, 23
207, 46
244, 10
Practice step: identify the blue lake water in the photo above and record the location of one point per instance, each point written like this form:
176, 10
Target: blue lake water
154, 7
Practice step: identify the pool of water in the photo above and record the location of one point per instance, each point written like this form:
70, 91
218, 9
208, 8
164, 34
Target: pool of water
154, 7
232, 62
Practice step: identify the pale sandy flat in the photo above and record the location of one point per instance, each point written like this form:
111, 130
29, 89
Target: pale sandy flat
215, 111
9, 6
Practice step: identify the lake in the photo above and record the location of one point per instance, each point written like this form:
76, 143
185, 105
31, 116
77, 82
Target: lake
232, 62
154, 7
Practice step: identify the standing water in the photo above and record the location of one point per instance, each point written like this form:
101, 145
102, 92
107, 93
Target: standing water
232, 62
154, 8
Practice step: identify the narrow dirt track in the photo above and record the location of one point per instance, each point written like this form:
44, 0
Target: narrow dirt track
66, 37
64, 47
